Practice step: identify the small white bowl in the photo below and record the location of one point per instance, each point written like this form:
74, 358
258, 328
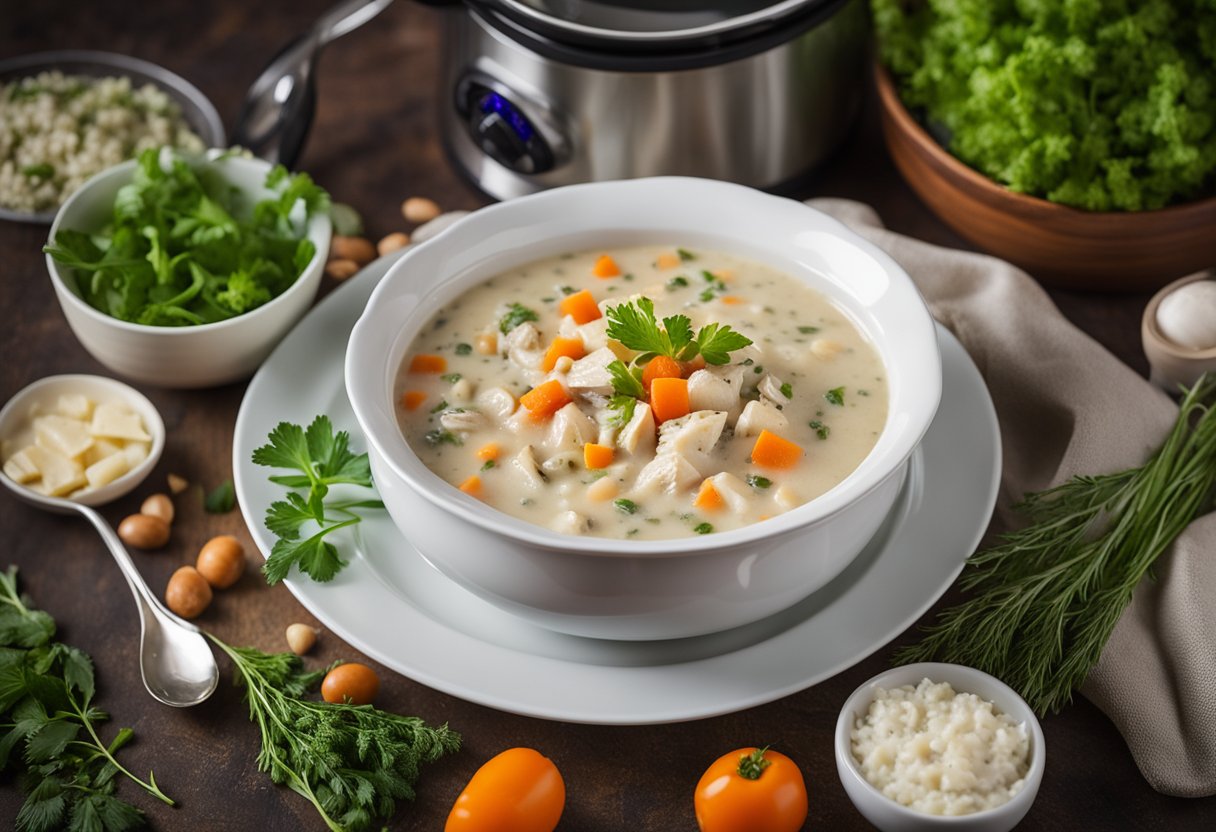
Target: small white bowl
890, 816
189, 356
650, 589
20, 410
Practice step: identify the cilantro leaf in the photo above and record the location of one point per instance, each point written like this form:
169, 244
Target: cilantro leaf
316, 557
284, 517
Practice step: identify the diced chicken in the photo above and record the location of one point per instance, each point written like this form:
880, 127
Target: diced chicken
565, 461
692, 437
462, 420
569, 430
638, 437
607, 434
571, 522
670, 473
786, 497
594, 334
461, 392
733, 490
770, 388
496, 402
525, 463
760, 415
524, 346
707, 391
567, 328
590, 373
825, 348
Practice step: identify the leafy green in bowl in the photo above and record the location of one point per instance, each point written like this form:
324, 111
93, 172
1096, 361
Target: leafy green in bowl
185, 247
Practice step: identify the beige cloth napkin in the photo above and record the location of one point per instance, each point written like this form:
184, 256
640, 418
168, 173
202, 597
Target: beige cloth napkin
1067, 406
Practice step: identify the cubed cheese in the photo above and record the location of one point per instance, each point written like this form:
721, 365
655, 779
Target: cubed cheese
135, 452
115, 421
64, 436
20, 468
101, 449
74, 406
106, 470
60, 475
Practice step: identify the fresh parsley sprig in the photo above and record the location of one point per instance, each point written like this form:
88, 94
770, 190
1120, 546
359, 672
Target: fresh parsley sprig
49, 728
324, 459
351, 762
635, 325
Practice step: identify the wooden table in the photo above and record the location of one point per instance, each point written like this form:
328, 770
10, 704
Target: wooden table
375, 142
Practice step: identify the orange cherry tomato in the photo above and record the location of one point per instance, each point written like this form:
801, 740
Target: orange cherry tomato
520, 790
751, 790
352, 682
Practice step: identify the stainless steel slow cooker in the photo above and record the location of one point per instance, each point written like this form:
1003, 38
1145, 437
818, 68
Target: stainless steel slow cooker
551, 92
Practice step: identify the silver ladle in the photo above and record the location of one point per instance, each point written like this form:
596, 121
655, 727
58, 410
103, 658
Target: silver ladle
279, 106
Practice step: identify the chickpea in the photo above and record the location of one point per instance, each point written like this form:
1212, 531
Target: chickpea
144, 531
188, 593
301, 638
418, 209
486, 343
341, 269
358, 249
178, 483
221, 561
354, 683
158, 505
393, 242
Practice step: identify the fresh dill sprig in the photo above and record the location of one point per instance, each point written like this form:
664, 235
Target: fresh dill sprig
1044, 601
352, 762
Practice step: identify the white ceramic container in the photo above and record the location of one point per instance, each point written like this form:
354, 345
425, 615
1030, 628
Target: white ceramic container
662, 589
890, 816
189, 356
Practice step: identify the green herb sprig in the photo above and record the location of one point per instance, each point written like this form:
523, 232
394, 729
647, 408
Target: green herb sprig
324, 459
49, 728
351, 762
634, 324
1044, 600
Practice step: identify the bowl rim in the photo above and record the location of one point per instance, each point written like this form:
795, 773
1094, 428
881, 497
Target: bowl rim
919, 329
938, 672
1151, 332
124, 484
319, 230
890, 101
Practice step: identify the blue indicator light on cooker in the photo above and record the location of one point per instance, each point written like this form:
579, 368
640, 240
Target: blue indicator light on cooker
492, 102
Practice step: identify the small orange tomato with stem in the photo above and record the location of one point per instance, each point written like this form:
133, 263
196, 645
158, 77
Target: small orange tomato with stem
751, 790
520, 790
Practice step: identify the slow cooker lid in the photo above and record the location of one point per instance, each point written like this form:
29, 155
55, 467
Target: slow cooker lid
649, 23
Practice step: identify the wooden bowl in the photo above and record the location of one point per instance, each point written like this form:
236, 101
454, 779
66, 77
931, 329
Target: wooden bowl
1063, 247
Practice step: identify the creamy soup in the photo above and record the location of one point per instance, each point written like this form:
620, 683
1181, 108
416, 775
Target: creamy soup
643, 392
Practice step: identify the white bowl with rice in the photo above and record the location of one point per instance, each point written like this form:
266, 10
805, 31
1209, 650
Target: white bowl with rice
935, 746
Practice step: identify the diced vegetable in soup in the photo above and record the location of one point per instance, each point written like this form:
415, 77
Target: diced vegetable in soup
642, 392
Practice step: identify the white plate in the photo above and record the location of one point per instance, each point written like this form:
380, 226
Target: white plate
393, 606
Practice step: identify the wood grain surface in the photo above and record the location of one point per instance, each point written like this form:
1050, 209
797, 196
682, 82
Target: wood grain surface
374, 142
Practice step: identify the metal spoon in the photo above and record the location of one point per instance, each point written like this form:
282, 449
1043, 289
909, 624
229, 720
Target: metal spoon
279, 106
175, 659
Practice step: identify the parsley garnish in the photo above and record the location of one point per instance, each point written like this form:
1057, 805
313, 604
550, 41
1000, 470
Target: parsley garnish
324, 459
716, 286
835, 396
517, 314
634, 324
464, 349
451, 378
756, 481
685, 254
438, 436
489, 463
568, 290
439, 408
621, 410
626, 382
703, 528
808, 330
677, 282
626, 506
222, 499
787, 390
352, 762
42, 171
821, 430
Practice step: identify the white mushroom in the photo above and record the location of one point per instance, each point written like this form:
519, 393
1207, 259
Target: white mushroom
496, 402
692, 437
462, 420
525, 463
571, 522
707, 391
760, 415
770, 388
637, 437
668, 472
590, 373
569, 429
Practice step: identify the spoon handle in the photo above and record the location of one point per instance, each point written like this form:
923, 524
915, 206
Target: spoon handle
139, 588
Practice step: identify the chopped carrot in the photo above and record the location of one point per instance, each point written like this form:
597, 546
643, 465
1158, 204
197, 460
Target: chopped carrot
472, 486
581, 306
427, 363
661, 367
731, 300
597, 456
412, 399
667, 260
545, 399
572, 347
606, 267
488, 452
771, 451
708, 497
669, 398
